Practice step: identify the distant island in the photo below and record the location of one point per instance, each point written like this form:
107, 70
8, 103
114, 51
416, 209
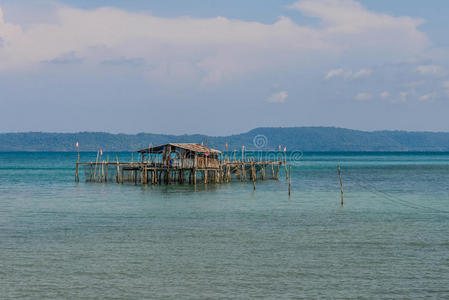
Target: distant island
307, 139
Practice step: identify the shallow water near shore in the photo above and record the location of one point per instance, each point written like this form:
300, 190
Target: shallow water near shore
61, 239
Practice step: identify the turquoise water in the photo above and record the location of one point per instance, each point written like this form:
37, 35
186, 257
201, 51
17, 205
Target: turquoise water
59, 239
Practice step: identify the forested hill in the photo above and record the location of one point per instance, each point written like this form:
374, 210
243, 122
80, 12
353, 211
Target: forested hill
295, 138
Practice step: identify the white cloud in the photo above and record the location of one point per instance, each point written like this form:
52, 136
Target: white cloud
363, 96
335, 73
430, 70
384, 95
210, 50
347, 74
427, 97
362, 73
349, 20
279, 97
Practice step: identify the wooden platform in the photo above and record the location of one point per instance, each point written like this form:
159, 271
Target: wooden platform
160, 173
180, 163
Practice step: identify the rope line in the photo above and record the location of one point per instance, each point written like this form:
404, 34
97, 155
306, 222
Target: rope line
393, 198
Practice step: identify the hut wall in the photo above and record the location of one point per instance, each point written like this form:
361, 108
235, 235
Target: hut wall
203, 162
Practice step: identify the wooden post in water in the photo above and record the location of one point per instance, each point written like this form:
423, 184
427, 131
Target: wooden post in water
285, 163
100, 167
195, 163
77, 179
146, 174
131, 173
102, 171
118, 169
289, 180
96, 162
106, 169
253, 175
341, 185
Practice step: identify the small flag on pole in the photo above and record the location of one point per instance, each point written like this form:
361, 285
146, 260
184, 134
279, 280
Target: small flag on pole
76, 145
101, 152
285, 149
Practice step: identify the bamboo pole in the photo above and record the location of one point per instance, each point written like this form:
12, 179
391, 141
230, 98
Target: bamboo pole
96, 162
253, 175
102, 171
285, 164
106, 168
289, 180
145, 175
76, 172
341, 185
100, 167
77, 179
131, 173
118, 169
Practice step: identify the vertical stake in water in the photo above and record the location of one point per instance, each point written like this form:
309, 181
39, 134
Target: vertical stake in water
96, 162
100, 167
118, 169
106, 168
285, 162
341, 185
253, 175
77, 179
289, 180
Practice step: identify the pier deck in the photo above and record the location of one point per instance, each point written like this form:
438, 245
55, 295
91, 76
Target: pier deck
179, 163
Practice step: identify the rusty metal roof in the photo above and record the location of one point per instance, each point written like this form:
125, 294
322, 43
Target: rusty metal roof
187, 146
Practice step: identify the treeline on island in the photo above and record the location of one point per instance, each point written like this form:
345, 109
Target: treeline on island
307, 139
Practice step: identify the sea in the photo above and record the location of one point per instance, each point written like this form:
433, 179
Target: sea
390, 240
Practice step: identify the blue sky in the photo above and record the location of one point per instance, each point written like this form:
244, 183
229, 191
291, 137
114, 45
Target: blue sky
221, 67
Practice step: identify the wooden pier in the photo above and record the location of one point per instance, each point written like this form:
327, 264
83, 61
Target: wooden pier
180, 163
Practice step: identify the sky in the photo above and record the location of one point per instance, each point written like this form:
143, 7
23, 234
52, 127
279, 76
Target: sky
223, 67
